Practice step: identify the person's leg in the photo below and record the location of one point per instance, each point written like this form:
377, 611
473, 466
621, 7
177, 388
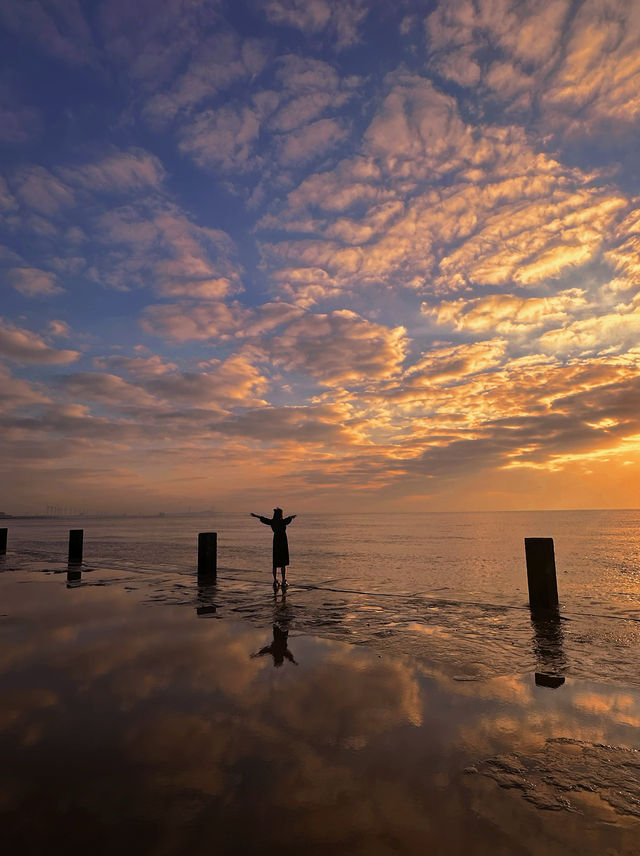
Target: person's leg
275, 580
283, 569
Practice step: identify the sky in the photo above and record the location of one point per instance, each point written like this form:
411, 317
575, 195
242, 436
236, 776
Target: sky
332, 255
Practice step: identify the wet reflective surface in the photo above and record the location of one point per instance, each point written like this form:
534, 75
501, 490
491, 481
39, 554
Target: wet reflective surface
472, 556
147, 714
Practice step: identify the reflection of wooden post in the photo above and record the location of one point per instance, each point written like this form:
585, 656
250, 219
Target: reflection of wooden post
550, 681
3, 541
74, 576
541, 573
207, 554
75, 546
206, 610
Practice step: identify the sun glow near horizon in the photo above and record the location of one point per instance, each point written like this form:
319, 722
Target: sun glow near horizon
342, 254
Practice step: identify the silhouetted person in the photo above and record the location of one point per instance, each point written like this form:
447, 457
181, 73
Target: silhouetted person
279, 648
278, 524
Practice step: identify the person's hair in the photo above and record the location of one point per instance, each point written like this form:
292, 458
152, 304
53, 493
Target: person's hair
277, 512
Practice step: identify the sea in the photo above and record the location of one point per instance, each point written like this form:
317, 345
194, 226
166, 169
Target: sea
477, 556
398, 696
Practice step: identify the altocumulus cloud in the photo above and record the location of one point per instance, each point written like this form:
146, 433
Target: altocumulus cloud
25, 346
339, 347
270, 245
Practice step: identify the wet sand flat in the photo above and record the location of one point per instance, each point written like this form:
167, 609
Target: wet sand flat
141, 713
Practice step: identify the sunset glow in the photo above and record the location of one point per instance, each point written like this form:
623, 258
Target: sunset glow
322, 254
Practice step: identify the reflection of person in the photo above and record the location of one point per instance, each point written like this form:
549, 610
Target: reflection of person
278, 649
278, 524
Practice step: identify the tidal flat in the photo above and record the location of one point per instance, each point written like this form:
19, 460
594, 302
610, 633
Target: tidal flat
142, 713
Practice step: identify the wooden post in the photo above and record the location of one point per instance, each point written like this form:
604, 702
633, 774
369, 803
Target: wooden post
208, 554
3, 541
75, 546
541, 573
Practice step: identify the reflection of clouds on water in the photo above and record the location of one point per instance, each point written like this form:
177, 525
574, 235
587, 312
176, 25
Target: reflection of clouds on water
171, 654
347, 697
501, 731
508, 688
483, 640
354, 744
19, 707
301, 718
617, 707
186, 749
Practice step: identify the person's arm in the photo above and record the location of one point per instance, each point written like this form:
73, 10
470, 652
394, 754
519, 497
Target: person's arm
288, 520
261, 652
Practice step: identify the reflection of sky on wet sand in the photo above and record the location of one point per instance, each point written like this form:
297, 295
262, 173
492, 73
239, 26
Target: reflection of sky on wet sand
153, 729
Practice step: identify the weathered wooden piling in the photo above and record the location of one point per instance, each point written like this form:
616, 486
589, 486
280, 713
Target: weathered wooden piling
3, 541
76, 537
541, 573
208, 554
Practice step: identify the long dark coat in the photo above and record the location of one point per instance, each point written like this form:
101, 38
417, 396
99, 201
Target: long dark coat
280, 542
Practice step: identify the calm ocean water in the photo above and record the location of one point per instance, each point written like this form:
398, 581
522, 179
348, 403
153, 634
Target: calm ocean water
399, 692
474, 556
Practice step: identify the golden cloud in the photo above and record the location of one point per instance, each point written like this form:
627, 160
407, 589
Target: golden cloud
507, 313
339, 347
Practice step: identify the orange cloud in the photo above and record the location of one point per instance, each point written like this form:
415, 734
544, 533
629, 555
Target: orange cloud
222, 138
342, 17
493, 211
217, 62
106, 388
339, 347
219, 383
39, 189
17, 393
137, 366
154, 240
597, 79
324, 424
214, 319
454, 363
24, 346
579, 65
313, 139
507, 313
33, 282
607, 333
119, 171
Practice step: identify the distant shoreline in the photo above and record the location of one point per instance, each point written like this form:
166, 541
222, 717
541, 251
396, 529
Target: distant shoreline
211, 513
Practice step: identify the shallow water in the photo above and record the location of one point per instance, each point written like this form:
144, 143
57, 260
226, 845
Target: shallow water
472, 556
429, 585
143, 714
